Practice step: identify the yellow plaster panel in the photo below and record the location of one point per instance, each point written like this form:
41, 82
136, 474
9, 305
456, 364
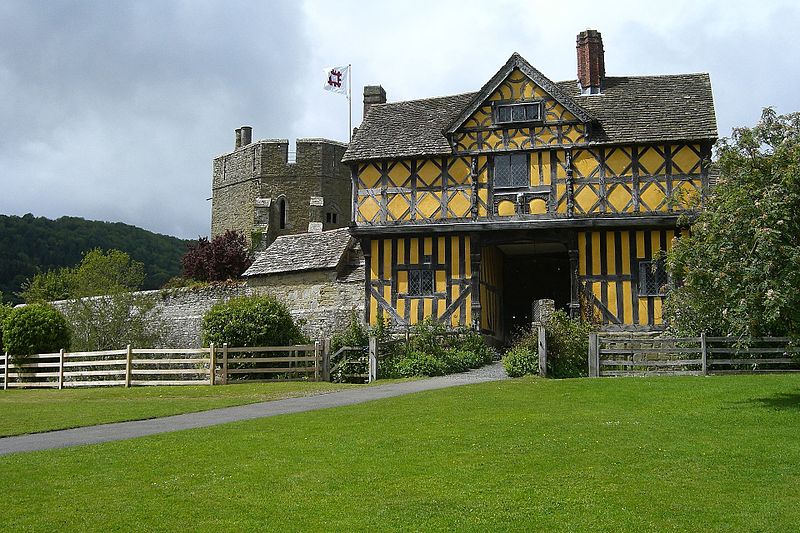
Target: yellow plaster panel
640, 245
586, 199
619, 162
399, 174
657, 311
582, 253
492, 141
483, 194
427, 307
655, 243
611, 254
441, 281
653, 197
670, 239
387, 260
442, 259
518, 138
414, 309
595, 252
459, 171
686, 161
398, 207
619, 198
402, 282
427, 246
401, 252
643, 317
459, 205
545, 169
687, 194
585, 163
368, 209
429, 174
370, 177
627, 306
626, 253
401, 306
559, 163
414, 251
428, 204
454, 294
506, 208
467, 258
651, 161
537, 206
454, 249
612, 298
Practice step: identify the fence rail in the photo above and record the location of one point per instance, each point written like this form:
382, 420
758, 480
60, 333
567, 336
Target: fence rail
163, 366
632, 355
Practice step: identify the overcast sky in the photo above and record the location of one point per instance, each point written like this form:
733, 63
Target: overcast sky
114, 110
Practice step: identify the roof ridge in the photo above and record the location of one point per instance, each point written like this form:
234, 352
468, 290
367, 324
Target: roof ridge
423, 99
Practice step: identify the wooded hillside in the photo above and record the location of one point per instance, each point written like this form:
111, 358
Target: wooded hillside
29, 243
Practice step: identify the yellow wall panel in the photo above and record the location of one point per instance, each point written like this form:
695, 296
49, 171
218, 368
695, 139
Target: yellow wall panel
627, 305
506, 208
619, 197
611, 266
402, 282
537, 206
640, 245
586, 199
427, 246
399, 173
429, 173
653, 197
441, 281
651, 161
582, 252
441, 250
596, 252
655, 242
643, 316
618, 162
454, 249
686, 161
657, 308
427, 307
429, 205
368, 209
459, 171
626, 253
612, 298
398, 207
370, 176
585, 163
459, 205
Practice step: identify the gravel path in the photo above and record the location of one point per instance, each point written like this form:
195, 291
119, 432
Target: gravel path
141, 428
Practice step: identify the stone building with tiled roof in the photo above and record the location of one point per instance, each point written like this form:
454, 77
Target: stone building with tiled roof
470, 207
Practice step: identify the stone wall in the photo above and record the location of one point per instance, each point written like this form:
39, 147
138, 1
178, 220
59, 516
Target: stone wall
248, 183
319, 302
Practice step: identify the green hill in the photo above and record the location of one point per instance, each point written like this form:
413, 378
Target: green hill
29, 244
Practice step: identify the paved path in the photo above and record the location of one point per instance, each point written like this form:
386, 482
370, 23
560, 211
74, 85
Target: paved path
140, 428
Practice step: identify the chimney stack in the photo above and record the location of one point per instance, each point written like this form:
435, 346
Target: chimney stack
238, 143
373, 94
247, 135
591, 63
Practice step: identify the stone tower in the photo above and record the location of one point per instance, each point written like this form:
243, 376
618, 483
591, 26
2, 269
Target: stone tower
259, 193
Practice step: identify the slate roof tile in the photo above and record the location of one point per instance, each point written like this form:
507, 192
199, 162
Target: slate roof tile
304, 251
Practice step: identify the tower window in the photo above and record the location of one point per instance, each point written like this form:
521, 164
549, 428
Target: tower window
282, 213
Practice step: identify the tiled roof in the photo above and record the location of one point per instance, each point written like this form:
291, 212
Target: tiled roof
631, 109
650, 108
304, 251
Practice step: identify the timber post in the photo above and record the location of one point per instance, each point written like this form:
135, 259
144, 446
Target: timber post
317, 360
542, 351
704, 353
212, 365
326, 360
373, 359
594, 355
128, 365
5, 372
224, 363
61, 369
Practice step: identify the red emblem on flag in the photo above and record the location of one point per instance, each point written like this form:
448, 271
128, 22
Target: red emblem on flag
335, 78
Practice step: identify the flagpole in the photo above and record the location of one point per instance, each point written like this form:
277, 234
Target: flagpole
350, 101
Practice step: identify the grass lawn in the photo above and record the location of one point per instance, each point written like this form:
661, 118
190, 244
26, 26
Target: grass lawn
29, 411
655, 454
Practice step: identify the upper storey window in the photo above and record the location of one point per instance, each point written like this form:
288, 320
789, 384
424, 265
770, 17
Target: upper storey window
526, 112
511, 170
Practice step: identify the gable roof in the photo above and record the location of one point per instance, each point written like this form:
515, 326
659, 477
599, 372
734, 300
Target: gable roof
678, 107
516, 61
631, 109
304, 251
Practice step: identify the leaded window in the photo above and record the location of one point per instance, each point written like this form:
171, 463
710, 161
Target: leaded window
511, 170
420, 282
653, 279
526, 112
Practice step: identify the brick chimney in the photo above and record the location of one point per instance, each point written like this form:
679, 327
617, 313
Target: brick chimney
373, 94
591, 63
247, 135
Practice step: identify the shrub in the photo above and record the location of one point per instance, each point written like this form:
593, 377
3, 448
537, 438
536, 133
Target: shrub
567, 346
224, 257
35, 328
520, 360
355, 334
4, 310
251, 321
415, 363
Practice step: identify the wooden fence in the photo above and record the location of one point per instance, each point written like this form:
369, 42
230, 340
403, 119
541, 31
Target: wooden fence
635, 355
164, 366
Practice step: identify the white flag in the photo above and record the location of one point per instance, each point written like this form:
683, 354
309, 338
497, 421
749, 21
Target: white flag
337, 79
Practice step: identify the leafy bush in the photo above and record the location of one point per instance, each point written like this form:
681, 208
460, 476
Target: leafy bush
4, 310
355, 334
520, 361
224, 257
415, 363
567, 346
35, 328
251, 321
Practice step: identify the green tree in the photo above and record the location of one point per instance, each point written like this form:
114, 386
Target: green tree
110, 272
35, 328
251, 321
48, 286
738, 272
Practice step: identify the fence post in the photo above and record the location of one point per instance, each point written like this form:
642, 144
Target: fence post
317, 359
128, 365
373, 359
224, 363
594, 355
61, 369
704, 352
326, 360
212, 365
5, 372
542, 351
